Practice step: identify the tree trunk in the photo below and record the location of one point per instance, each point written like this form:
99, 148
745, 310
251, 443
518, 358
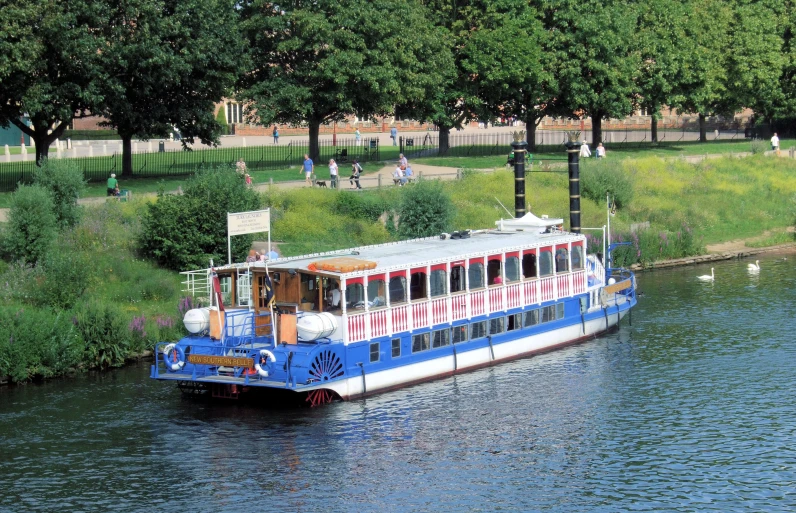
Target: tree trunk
40, 137
444, 140
530, 130
703, 134
315, 129
654, 129
127, 156
596, 128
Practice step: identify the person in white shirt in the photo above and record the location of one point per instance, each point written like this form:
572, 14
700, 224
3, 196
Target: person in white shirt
333, 173
775, 143
600, 150
584, 150
398, 176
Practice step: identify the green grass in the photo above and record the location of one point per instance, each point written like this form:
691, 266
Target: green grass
775, 239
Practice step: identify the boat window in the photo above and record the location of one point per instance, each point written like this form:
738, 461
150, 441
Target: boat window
438, 283
477, 330
529, 265
417, 287
421, 342
244, 289
226, 289
512, 269
513, 322
496, 325
397, 289
374, 352
376, 293
459, 333
531, 318
457, 278
493, 271
548, 313
440, 338
562, 260
476, 276
560, 311
396, 347
577, 257
355, 295
545, 263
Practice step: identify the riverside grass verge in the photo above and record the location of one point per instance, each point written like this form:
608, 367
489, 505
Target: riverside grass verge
135, 304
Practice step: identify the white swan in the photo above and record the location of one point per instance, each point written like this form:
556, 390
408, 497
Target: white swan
707, 277
754, 267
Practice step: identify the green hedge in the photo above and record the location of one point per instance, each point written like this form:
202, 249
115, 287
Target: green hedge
89, 135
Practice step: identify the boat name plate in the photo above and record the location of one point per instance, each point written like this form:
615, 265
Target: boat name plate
616, 287
221, 361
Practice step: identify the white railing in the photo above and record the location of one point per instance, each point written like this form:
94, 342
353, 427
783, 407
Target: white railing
444, 310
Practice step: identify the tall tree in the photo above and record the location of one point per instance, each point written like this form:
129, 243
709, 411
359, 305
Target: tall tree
50, 67
169, 62
702, 78
596, 60
317, 62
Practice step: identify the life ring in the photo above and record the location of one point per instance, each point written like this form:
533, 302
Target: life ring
259, 366
177, 355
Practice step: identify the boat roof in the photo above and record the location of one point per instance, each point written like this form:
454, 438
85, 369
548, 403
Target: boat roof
426, 251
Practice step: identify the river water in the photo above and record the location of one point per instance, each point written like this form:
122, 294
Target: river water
689, 409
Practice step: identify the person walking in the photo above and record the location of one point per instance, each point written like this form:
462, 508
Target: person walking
356, 171
248, 180
276, 134
357, 137
600, 151
113, 184
308, 169
240, 167
584, 150
333, 173
775, 143
394, 136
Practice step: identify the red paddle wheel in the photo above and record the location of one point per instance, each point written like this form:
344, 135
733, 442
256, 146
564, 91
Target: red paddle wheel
319, 397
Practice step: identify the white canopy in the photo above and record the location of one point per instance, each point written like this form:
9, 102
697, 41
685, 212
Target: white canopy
527, 222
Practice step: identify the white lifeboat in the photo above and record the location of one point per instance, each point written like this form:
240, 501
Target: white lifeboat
197, 320
312, 326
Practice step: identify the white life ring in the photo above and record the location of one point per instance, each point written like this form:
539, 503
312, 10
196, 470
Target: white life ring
261, 370
178, 357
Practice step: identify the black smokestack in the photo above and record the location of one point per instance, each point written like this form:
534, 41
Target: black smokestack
519, 146
573, 159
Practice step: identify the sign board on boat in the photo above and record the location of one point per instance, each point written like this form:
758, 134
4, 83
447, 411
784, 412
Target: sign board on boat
241, 223
221, 361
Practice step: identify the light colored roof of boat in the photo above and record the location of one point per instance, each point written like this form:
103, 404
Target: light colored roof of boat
430, 250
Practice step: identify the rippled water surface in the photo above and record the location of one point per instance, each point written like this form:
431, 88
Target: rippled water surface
689, 409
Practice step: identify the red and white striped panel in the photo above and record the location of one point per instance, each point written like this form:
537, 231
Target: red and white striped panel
563, 285
547, 288
579, 282
378, 323
513, 295
419, 315
400, 320
477, 303
356, 327
459, 307
495, 299
439, 311
530, 292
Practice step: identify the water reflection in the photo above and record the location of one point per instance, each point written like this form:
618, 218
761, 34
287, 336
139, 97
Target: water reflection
688, 409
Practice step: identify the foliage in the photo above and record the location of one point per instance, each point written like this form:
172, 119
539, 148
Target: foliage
758, 147
37, 343
186, 231
61, 278
64, 179
221, 119
360, 206
31, 227
648, 246
104, 332
598, 179
425, 209
365, 68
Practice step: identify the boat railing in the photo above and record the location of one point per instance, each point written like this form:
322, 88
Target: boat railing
426, 313
197, 283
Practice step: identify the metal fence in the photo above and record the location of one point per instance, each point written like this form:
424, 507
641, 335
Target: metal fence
173, 163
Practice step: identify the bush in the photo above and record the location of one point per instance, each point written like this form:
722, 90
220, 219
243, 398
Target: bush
31, 227
758, 147
598, 179
186, 231
37, 343
425, 210
361, 206
65, 181
105, 334
61, 279
221, 118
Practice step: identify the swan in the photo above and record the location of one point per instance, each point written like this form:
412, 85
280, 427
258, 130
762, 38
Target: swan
707, 277
754, 267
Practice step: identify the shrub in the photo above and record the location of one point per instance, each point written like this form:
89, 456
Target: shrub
758, 147
105, 334
598, 179
221, 118
61, 279
37, 343
361, 206
186, 231
425, 210
65, 182
31, 227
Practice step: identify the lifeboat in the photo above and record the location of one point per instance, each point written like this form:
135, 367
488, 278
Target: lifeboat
312, 326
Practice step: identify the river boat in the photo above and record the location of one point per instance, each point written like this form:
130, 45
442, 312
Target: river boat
352, 323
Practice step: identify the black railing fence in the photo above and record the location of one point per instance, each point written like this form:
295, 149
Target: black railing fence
174, 163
